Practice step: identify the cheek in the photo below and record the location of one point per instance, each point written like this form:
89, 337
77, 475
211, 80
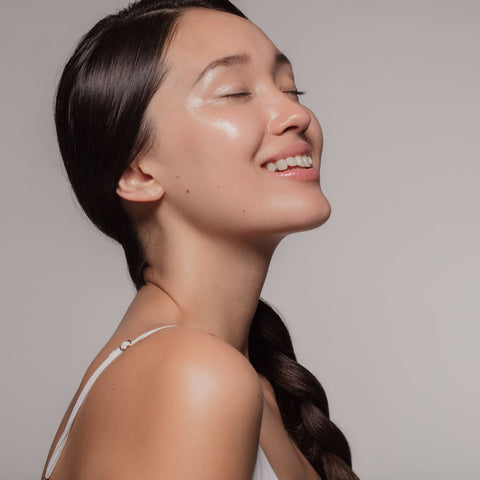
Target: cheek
220, 128
215, 145
235, 130
206, 161
223, 148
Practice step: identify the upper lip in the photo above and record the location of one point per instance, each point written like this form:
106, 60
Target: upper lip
291, 151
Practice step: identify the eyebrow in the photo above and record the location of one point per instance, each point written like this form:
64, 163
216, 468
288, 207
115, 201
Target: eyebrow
238, 59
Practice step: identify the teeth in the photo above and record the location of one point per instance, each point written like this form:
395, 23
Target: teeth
281, 165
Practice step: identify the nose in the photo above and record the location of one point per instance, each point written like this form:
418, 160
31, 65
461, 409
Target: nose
285, 113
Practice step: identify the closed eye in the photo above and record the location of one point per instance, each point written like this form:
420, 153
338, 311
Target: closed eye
297, 93
238, 95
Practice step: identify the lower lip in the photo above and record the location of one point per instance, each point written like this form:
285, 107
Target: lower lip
304, 174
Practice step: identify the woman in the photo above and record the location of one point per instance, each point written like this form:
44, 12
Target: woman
182, 134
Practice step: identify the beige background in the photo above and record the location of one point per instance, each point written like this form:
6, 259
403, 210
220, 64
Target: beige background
382, 301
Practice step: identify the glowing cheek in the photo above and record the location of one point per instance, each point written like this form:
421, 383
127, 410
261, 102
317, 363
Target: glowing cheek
226, 127
196, 106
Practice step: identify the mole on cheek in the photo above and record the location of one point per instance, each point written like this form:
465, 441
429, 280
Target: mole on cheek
243, 211
188, 191
178, 177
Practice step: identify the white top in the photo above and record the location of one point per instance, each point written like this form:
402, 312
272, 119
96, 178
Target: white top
263, 470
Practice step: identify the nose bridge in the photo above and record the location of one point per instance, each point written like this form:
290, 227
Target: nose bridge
285, 113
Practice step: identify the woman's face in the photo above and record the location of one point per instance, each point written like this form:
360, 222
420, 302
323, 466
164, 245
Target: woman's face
215, 128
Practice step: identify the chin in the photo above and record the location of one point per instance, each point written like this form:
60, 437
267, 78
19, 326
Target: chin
308, 218
313, 219
300, 217
314, 214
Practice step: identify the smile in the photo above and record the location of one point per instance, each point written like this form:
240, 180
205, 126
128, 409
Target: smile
302, 161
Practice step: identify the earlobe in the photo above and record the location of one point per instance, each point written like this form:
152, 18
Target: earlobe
137, 186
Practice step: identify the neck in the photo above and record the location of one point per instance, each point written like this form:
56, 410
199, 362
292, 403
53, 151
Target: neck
207, 283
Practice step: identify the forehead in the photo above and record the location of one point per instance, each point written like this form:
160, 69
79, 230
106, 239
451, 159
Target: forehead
203, 35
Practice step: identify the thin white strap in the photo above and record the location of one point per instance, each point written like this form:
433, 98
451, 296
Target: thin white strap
81, 397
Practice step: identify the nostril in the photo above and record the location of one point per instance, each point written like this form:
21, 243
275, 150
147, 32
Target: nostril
292, 127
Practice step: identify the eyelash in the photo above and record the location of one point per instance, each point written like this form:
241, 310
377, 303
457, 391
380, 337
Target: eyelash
247, 94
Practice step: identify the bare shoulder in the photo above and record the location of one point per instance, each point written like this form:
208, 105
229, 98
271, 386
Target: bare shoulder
181, 403
173, 354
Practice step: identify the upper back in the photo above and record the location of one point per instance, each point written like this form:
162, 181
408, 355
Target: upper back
179, 404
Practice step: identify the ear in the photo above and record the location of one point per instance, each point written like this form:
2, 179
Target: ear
137, 186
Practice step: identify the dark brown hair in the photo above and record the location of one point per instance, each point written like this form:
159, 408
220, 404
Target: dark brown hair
100, 107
